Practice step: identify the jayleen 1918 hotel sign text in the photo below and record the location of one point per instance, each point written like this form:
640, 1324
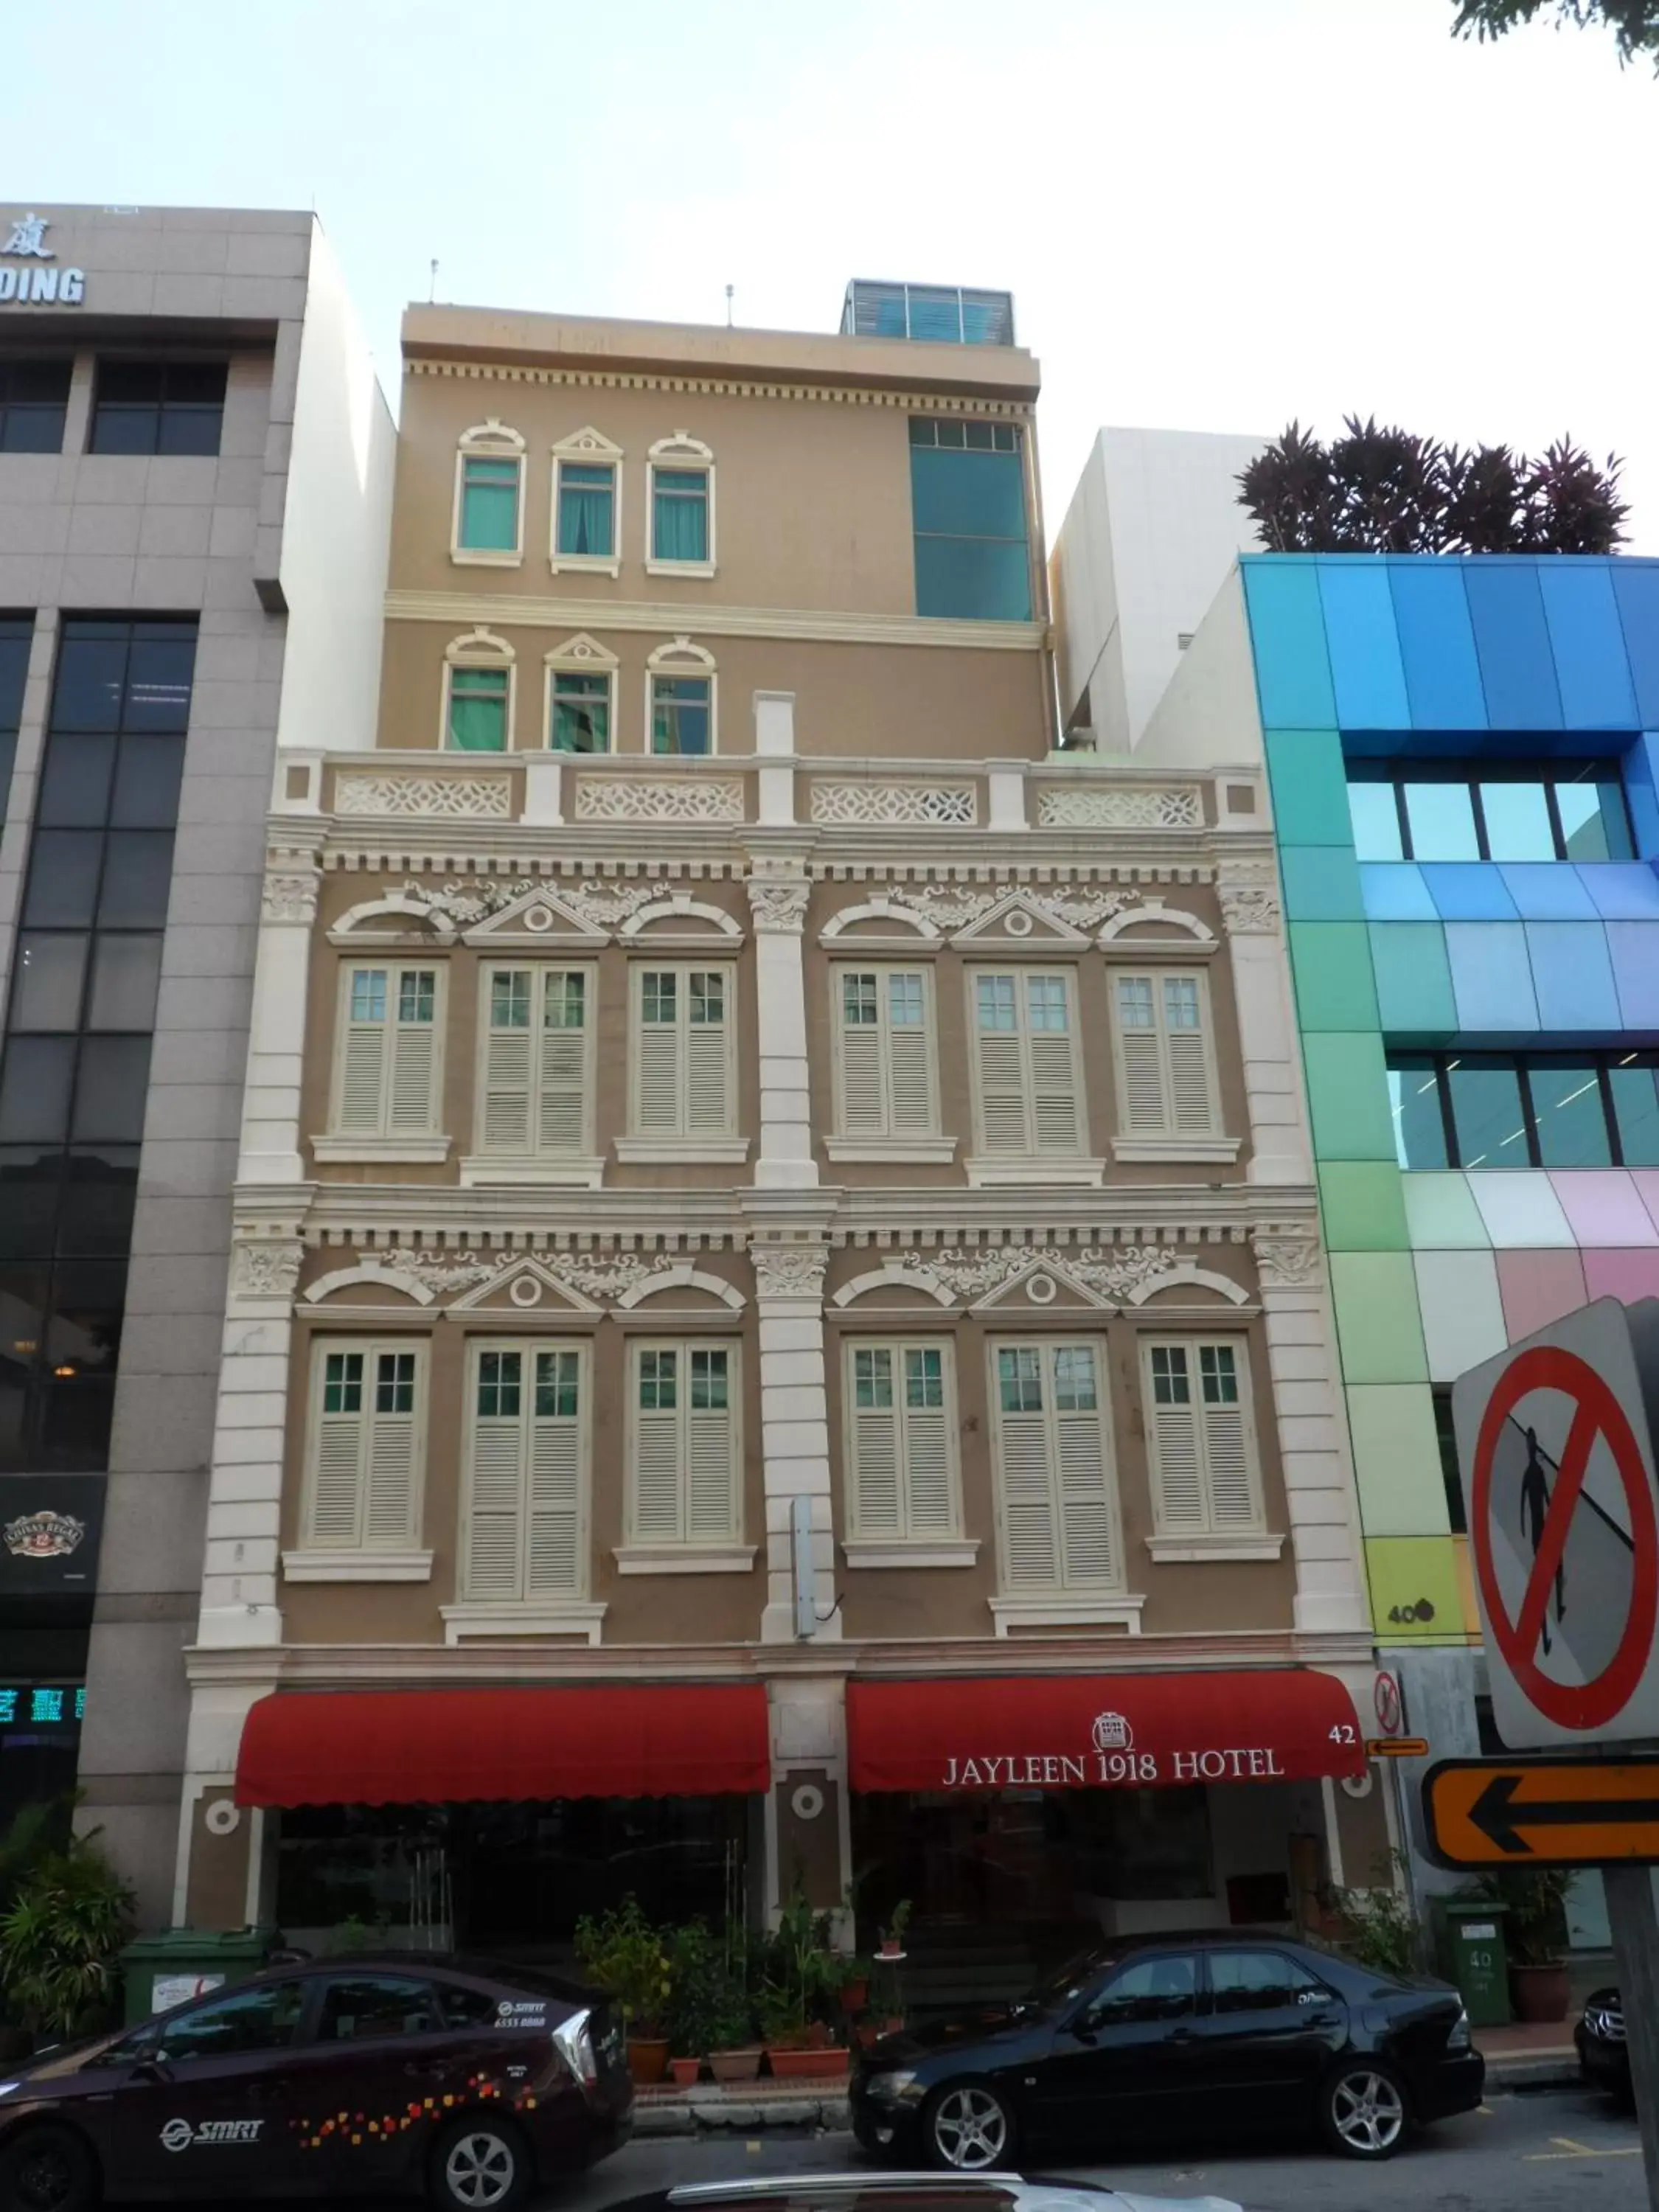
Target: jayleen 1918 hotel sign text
37, 281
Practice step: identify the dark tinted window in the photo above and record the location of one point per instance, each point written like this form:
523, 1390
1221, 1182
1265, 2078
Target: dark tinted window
33, 396
16, 632
968, 506
158, 407
262, 2019
1260, 1981
1422, 810
365, 2005
1551, 1109
468, 2007
1163, 1987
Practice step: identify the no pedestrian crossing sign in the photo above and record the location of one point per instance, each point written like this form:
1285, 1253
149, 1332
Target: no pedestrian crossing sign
1555, 1445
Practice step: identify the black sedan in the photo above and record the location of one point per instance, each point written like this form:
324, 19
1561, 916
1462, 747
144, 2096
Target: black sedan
1603, 2053
1172, 2036
470, 2081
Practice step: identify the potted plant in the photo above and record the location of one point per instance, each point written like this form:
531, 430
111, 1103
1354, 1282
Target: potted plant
1535, 1932
626, 1956
892, 1936
60, 1939
709, 2009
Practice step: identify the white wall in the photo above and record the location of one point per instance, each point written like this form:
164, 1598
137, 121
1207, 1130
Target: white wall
336, 526
1152, 531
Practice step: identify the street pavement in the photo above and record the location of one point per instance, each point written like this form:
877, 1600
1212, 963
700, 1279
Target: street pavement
1548, 2152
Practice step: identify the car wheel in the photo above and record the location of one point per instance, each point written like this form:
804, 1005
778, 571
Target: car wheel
48, 2169
968, 2128
1363, 2110
479, 2164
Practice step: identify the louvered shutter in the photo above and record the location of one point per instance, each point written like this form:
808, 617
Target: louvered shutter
1002, 1103
656, 1468
553, 1560
414, 1066
1177, 1449
336, 1476
493, 1567
1088, 1520
389, 1487
563, 1075
1145, 1108
710, 1482
1227, 1454
1053, 1092
363, 1070
909, 1058
1191, 1098
1028, 1502
707, 1111
507, 1126
876, 1463
927, 1470
863, 1094
658, 1088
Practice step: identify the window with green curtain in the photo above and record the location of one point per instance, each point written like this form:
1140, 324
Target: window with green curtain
581, 713
587, 509
490, 506
478, 709
679, 514
967, 509
680, 714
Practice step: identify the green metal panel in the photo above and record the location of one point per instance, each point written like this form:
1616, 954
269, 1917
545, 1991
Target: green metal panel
1348, 1095
1396, 1460
1417, 1593
1441, 1214
1377, 1323
1363, 1207
1412, 978
1309, 787
1332, 963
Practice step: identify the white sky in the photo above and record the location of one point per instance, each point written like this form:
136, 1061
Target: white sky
1213, 213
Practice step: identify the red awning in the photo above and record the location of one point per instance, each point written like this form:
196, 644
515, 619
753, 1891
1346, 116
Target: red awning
430, 1746
1090, 1731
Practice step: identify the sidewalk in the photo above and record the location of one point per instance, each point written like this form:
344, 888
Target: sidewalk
1531, 2055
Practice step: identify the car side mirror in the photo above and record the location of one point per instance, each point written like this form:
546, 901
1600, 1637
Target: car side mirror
153, 2069
1082, 2025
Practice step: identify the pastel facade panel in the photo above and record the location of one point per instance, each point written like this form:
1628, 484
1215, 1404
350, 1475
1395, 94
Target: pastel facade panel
1512, 640
1636, 594
1462, 1310
1412, 978
1287, 631
1521, 1209
1633, 948
1538, 1288
1366, 672
1393, 890
1626, 1275
1645, 1182
1468, 890
1416, 1593
1437, 645
1309, 786
1642, 792
1621, 891
1603, 1206
1441, 1213
1332, 964
1396, 1459
1348, 1095
1362, 1207
1375, 1294
1547, 891
1492, 977
1587, 645
1573, 975
1322, 884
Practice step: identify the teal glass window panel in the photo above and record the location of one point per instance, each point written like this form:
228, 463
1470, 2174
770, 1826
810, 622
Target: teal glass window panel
1636, 1110
489, 506
974, 579
971, 493
1419, 1127
679, 515
1566, 1105
477, 710
680, 717
1518, 821
588, 510
1486, 1113
967, 504
1442, 817
581, 713
1374, 811
1593, 825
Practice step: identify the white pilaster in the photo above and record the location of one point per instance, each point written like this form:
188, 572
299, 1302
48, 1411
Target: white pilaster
794, 1430
775, 745
785, 1160
282, 967
245, 1488
1279, 1146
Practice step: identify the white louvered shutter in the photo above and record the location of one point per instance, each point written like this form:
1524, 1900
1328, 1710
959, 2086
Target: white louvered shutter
389, 1499
563, 1075
412, 1107
1192, 1098
507, 1080
710, 1473
1233, 1503
1145, 1108
909, 1057
863, 1081
658, 1376
362, 1064
1087, 1507
337, 1469
930, 1506
707, 1111
658, 1043
873, 1430
553, 1563
1029, 1520
1177, 1446
1054, 1117
1005, 1117
494, 1565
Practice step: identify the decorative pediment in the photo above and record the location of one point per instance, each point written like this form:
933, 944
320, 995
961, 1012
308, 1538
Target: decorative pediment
704, 1288
1152, 927
680, 915
547, 1283
586, 444
582, 651
526, 1285
1044, 1282
975, 917
541, 917
371, 1275
895, 1284
1024, 917
394, 919
881, 922
1028, 1277
1211, 1286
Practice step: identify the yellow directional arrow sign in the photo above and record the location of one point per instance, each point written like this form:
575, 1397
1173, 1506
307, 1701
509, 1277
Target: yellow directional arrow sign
1542, 1812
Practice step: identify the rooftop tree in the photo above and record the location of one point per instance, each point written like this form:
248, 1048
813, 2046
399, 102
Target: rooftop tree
1635, 22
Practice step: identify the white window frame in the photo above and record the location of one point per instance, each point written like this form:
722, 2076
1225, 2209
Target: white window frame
314, 1560
586, 448
1167, 1143
337, 1145
641, 1553
985, 1167
561, 1614
1080, 1604
640, 1147
1239, 1539
580, 655
940, 1548
580, 1168
922, 1148
682, 658
491, 441
479, 648
681, 451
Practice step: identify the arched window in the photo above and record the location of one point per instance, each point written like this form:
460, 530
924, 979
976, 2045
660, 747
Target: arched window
479, 693
487, 528
586, 503
681, 497
581, 697
679, 694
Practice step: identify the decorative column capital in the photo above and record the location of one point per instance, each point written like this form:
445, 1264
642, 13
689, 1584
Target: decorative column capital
790, 1271
779, 908
290, 894
1287, 1259
268, 1268
1249, 905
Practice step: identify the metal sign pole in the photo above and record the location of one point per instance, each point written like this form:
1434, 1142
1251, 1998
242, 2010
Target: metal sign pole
1636, 1946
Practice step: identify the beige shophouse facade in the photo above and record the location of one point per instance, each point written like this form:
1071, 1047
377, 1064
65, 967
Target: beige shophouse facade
808, 1189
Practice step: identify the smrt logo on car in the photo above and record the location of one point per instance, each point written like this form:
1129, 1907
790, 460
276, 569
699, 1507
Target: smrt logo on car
179, 2135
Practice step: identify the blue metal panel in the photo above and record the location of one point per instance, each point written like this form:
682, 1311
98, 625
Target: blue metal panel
1636, 594
1492, 977
1365, 667
1437, 644
1573, 975
1321, 883
1588, 644
1517, 669
1468, 890
1287, 631
1547, 891
1393, 890
1634, 948
1623, 891
1642, 792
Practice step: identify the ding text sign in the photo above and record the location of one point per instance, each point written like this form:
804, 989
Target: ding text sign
1542, 1812
30, 275
1554, 1442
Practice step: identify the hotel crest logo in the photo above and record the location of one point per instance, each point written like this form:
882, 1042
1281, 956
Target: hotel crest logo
37, 283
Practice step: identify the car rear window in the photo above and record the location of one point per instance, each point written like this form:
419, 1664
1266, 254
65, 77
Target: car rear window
465, 2007
359, 2006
